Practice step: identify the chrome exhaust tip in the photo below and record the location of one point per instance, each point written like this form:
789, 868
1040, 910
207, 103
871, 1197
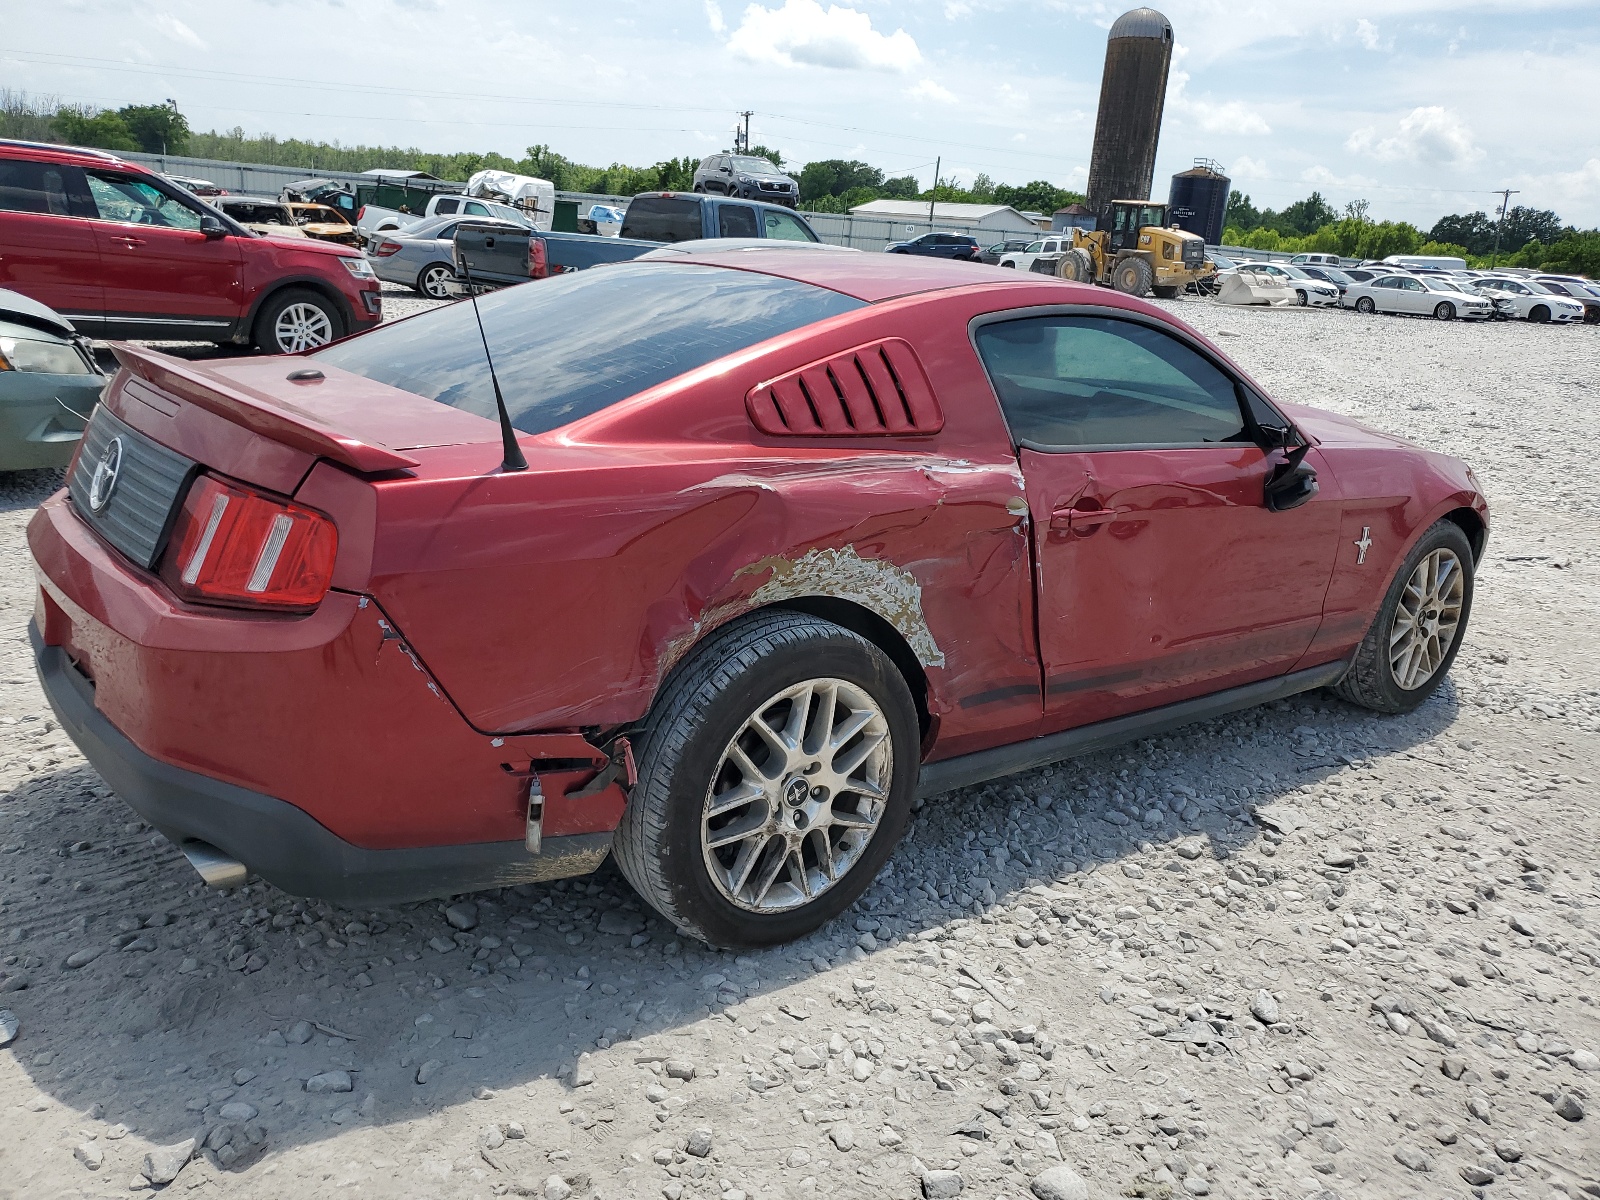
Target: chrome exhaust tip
213, 866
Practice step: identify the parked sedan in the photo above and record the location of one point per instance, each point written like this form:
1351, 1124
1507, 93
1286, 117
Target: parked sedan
939, 245
1307, 289
992, 254
1581, 290
1531, 300
421, 256
1414, 295
49, 384
1330, 275
752, 558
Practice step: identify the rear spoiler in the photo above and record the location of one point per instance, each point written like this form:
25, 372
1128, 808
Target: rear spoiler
268, 415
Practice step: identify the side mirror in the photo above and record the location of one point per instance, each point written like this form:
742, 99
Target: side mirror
1292, 483
212, 228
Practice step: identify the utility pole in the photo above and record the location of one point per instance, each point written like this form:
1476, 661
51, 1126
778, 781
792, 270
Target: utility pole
933, 196
1505, 195
742, 143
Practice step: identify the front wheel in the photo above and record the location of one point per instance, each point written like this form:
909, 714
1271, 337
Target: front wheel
775, 777
297, 320
1445, 311
1410, 646
1133, 276
436, 280
1365, 305
1300, 297
1540, 313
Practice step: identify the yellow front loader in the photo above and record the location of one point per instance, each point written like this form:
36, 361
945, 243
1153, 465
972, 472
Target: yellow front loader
1140, 254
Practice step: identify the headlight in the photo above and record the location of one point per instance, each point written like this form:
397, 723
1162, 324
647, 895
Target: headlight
359, 267
49, 358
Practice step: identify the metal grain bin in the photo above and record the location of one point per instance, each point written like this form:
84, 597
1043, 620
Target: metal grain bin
1133, 91
1198, 202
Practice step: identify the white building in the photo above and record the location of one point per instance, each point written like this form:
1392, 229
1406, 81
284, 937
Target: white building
992, 218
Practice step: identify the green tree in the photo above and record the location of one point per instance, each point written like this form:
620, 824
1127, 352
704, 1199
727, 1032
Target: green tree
901, 187
772, 156
1474, 231
1241, 214
81, 126
158, 128
1306, 216
835, 176
1039, 196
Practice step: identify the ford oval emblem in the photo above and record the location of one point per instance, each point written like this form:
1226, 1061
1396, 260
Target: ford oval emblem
105, 476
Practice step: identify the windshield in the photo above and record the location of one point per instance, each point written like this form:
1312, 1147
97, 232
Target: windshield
1333, 276
1544, 289
753, 165
1291, 272
567, 347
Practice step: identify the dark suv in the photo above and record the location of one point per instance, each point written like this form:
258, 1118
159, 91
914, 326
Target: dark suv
940, 245
124, 253
746, 176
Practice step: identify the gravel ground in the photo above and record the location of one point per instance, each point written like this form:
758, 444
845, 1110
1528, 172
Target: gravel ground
1299, 952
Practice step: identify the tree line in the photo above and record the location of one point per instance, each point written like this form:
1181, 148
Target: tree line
1528, 237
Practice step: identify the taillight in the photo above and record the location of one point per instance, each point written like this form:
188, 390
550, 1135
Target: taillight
385, 249
236, 546
538, 259
361, 212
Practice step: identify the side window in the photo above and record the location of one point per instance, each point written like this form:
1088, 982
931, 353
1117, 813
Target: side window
737, 221
474, 209
1065, 382
448, 233
446, 206
32, 187
1413, 285
1034, 248
785, 228
119, 198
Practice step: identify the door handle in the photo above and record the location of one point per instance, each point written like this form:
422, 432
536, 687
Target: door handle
1083, 519
129, 242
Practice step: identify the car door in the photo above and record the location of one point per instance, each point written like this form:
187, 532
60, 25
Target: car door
48, 250
737, 221
446, 206
1412, 296
159, 268
1160, 572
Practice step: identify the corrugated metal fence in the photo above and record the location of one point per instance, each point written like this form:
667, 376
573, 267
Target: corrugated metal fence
841, 229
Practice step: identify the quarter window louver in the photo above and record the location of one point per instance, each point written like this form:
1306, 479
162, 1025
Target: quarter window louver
875, 390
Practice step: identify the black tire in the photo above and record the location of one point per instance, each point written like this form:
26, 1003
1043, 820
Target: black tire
267, 336
1371, 681
1133, 277
1076, 266
1009, 266
1539, 313
435, 281
704, 706
1300, 297
1445, 311
1365, 306
1165, 293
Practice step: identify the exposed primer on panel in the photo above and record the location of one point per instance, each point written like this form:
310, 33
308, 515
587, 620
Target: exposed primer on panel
891, 592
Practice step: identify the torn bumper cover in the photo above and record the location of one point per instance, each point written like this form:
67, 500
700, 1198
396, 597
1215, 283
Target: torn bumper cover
280, 842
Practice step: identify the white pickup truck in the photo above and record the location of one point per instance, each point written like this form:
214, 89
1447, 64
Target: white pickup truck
373, 219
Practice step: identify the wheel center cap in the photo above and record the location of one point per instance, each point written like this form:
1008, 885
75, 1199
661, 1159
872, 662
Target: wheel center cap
796, 792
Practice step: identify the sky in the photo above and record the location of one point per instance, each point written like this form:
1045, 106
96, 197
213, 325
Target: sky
1422, 107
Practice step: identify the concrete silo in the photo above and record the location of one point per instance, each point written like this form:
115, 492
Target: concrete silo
1133, 92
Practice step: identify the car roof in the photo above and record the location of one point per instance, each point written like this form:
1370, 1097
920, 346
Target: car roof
73, 155
867, 277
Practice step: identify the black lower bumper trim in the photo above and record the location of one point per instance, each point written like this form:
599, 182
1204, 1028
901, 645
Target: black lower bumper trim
967, 769
284, 845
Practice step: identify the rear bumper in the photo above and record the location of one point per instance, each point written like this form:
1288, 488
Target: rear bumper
284, 845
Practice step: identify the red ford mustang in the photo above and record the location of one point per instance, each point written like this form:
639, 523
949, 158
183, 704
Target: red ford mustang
799, 534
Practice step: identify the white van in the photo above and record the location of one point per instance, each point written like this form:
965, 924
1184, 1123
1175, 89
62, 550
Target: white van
1439, 262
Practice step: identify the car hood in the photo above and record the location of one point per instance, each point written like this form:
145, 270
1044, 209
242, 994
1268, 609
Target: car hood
1332, 431
23, 310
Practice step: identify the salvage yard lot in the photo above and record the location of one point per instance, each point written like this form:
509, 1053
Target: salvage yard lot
1303, 950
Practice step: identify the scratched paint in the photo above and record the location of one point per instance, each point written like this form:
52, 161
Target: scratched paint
891, 592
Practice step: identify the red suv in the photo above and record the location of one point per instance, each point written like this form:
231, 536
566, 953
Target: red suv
125, 254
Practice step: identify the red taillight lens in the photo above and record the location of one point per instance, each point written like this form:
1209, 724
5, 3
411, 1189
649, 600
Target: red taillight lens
385, 249
237, 546
361, 212
538, 259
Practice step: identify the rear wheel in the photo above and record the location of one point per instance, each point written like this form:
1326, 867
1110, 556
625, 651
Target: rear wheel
435, 280
1133, 276
1539, 313
1445, 311
1365, 305
1410, 646
776, 775
296, 320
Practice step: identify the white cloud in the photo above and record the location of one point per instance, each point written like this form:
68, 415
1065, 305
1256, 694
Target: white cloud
714, 18
1320, 176
929, 90
802, 32
1245, 167
1432, 135
178, 31
1231, 116
956, 9
1367, 34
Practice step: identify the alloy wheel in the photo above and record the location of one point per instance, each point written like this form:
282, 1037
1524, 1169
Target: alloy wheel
436, 282
1426, 619
797, 795
301, 327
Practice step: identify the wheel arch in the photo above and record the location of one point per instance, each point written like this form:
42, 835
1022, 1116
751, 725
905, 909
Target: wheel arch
310, 283
1474, 526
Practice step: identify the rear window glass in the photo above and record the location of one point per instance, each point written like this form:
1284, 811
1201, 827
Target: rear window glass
662, 219
567, 347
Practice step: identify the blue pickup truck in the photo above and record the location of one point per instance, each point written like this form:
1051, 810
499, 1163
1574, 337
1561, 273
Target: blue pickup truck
495, 256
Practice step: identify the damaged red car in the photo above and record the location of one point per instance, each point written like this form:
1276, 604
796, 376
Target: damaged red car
730, 556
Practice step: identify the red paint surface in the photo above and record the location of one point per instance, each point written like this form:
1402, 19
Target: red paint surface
556, 599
